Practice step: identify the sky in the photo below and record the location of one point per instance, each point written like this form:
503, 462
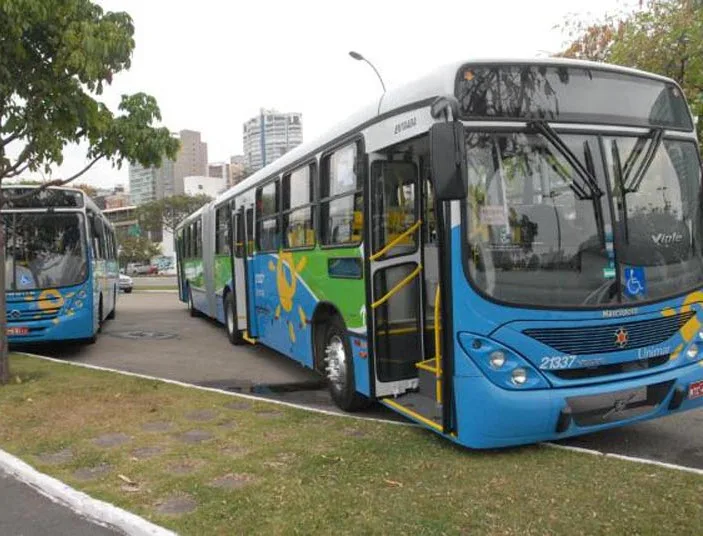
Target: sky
211, 64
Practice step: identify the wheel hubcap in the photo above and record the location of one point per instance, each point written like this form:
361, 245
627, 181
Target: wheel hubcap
336, 362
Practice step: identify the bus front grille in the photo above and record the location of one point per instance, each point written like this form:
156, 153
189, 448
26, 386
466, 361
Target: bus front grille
602, 339
606, 370
15, 315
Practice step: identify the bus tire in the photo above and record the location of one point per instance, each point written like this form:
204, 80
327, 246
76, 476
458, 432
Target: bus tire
100, 315
233, 334
191, 305
339, 367
113, 313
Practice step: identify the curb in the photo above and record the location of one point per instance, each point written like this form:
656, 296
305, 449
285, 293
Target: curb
99, 512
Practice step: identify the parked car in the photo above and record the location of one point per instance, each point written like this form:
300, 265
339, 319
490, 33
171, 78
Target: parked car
126, 283
135, 268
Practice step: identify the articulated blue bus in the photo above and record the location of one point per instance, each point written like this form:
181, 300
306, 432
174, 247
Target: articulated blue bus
61, 271
503, 251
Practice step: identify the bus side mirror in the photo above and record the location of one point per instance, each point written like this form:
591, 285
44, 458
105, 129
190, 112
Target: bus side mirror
448, 161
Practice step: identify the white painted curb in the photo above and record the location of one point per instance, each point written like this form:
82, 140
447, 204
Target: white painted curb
218, 391
633, 459
99, 512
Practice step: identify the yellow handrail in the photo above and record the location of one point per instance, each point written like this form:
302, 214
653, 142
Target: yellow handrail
438, 363
381, 252
396, 288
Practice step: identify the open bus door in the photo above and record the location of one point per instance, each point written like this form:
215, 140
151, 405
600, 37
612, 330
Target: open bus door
243, 271
397, 289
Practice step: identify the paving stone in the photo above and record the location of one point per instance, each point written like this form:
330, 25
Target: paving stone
176, 505
228, 424
195, 436
91, 473
157, 426
238, 405
147, 452
265, 412
232, 481
201, 415
57, 458
234, 451
186, 467
111, 440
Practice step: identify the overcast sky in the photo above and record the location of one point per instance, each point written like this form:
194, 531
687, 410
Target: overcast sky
212, 64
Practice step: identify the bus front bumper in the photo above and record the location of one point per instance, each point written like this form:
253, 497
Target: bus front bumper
489, 416
65, 327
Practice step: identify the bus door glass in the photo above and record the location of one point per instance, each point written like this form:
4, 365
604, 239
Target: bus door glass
249, 268
396, 274
240, 287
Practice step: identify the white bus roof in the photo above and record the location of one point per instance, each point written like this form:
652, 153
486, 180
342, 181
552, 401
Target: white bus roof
438, 82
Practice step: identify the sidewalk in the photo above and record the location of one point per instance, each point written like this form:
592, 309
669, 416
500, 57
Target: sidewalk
25, 512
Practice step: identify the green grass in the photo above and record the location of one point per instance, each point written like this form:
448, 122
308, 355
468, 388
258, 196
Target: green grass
316, 474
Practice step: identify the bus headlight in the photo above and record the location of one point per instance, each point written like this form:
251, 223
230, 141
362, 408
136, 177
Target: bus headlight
501, 365
497, 359
519, 376
692, 351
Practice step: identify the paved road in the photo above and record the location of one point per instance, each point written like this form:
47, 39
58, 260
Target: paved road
200, 353
25, 512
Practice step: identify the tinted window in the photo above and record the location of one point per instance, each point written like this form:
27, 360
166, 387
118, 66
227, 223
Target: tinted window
342, 216
569, 94
44, 250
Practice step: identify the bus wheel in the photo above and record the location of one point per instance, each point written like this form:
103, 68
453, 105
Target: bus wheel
191, 306
113, 313
339, 366
233, 334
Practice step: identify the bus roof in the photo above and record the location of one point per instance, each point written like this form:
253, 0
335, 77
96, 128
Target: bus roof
422, 90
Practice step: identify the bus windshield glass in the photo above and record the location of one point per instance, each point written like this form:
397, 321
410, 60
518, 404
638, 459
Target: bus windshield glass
573, 94
44, 250
541, 233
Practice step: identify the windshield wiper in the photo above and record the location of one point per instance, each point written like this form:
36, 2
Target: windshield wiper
656, 135
584, 174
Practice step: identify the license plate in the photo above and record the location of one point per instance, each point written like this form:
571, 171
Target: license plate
695, 390
17, 331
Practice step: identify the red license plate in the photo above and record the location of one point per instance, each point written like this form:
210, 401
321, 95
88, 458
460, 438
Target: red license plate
695, 390
17, 331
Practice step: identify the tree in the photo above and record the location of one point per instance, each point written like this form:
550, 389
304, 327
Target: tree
137, 249
56, 56
168, 212
87, 189
661, 36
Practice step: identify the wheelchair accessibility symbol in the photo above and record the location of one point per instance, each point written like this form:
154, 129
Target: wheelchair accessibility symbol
635, 282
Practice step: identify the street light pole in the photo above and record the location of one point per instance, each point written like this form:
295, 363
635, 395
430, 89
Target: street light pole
359, 57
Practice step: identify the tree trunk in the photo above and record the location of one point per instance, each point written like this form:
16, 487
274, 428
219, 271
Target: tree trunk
4, 353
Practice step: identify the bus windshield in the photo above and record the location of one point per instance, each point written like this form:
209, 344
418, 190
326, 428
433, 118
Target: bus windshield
44, 250
540, 233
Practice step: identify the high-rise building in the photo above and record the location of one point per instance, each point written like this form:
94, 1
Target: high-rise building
237, 169
149, 184
270, 135
219, 170
192, 159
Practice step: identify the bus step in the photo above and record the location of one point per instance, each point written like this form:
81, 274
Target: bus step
417, 407
427, 385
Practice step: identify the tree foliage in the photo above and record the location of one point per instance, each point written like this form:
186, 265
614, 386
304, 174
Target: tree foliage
168, 212
137, 249
662, 36
56, 56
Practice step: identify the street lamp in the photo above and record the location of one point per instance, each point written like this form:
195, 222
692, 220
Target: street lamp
359, 57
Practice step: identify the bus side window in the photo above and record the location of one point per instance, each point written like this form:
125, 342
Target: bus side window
341, 197
268, 236
298, 208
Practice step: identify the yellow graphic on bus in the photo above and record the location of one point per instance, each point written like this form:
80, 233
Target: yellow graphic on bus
286, 289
